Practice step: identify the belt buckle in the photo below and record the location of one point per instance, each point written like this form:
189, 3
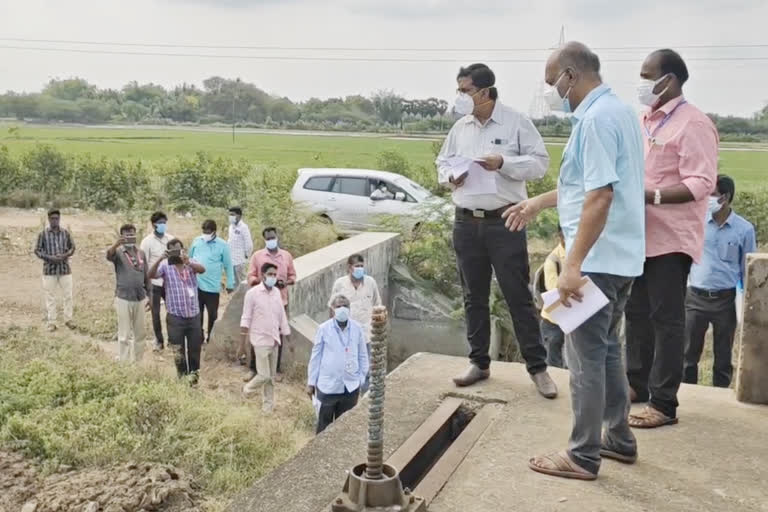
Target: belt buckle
478, 214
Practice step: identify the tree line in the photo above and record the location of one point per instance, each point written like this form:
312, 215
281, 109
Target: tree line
223, 100
220, 100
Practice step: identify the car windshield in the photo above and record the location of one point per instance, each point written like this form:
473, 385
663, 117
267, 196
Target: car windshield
419, 192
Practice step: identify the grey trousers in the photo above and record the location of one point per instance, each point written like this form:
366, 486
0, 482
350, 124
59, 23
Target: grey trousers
599, 386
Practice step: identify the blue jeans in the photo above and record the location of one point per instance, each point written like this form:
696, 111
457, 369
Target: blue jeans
599, 386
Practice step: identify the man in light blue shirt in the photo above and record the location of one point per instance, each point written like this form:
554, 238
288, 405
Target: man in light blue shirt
601, 203
728, 238
213, 253
339, 364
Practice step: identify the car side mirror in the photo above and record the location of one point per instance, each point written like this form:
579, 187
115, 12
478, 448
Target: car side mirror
374, 197
399, 196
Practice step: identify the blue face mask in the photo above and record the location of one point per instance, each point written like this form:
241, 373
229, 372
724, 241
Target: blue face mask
358, 273
271, 244
160, 228
270, 281
341, 314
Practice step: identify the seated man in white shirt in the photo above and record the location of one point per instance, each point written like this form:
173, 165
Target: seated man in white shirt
363, 294
339, 364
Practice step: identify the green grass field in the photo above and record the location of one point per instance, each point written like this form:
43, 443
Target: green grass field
749, 168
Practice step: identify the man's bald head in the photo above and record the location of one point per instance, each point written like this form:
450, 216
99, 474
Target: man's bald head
579, 57
575, 70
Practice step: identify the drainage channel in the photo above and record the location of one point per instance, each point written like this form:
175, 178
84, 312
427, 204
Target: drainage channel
428, 458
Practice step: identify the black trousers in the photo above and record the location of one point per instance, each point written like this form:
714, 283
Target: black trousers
484, 246
656, 331
186, 337
158, 294
208, 302
333, 406
702, 311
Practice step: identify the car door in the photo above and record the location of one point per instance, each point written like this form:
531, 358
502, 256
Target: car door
396, 207
351, 202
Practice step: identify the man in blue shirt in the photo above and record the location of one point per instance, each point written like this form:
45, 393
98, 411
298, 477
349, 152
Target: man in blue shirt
213, 253
600, 201
728, 238
339, 364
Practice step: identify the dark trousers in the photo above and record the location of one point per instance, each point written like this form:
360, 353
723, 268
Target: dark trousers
701, 311
333, 406
208, 302
158, 294
484, 246
656, 331
553, 339
186, 337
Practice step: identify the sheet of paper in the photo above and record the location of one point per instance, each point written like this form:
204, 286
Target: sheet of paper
459, 165
569, 319
479, 181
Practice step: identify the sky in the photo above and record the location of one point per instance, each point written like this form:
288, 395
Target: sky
455, 32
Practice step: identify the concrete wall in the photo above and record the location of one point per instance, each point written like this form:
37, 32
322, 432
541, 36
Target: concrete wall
316, 272
751, 375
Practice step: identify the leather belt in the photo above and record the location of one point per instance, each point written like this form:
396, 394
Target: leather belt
714, 294
482, 214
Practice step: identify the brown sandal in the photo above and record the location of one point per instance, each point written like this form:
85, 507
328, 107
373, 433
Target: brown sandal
650, 418
559, 464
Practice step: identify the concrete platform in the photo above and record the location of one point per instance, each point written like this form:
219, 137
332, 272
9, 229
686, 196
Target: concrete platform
713, 460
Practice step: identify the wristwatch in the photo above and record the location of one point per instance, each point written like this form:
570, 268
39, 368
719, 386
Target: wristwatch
657, 196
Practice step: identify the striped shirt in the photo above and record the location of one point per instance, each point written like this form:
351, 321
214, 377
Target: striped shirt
240, 243
180, 290
52, 243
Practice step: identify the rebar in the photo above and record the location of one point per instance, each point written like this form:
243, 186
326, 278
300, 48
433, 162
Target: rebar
375, 463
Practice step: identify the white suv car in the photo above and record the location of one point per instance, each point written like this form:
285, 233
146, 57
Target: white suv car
355, 199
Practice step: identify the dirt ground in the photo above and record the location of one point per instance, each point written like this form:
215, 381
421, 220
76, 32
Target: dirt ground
137, 486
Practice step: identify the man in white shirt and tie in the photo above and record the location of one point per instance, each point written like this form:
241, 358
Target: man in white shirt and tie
505, 143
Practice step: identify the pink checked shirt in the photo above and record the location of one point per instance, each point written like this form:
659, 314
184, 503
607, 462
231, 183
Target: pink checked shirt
684, 151
285, 269
264, 316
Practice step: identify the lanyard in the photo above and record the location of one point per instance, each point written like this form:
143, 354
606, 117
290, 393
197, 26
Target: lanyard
137, 262
652, 135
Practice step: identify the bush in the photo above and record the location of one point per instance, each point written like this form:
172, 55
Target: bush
11, 173
204, 180
753, 206
66, 403
48, 168
110, 184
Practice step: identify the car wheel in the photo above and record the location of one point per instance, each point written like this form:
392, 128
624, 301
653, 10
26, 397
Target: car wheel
326, 219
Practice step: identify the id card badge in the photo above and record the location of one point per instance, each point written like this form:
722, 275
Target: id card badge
191, 292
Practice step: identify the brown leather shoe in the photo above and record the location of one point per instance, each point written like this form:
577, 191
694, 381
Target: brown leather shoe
544, 384
472, 375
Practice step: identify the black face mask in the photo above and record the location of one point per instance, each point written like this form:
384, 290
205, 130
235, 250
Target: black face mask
175, 260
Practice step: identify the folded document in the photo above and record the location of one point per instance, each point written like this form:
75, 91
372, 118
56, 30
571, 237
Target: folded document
569, 319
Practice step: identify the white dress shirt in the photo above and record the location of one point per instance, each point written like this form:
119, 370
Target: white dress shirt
339, 360
507, 133
240, 243
361, 300
154, 248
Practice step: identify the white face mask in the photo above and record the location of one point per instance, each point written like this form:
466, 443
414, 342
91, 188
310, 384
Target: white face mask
208, 237
556, 102
463, 104
232, 220
714, 205
645, 94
